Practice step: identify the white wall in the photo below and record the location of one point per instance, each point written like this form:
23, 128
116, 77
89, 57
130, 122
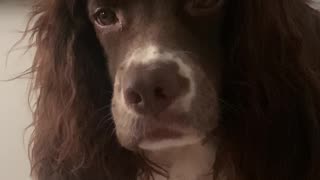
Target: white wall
15, 114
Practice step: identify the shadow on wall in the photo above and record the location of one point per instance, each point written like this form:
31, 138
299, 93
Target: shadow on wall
15, 114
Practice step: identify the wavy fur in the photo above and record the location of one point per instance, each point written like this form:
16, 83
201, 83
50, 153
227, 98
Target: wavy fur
270, 122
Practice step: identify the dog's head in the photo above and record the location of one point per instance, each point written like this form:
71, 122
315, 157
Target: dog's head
154, 74
163, 66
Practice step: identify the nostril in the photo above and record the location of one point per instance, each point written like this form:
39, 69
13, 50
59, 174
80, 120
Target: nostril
159, 93
133, 97
151, 89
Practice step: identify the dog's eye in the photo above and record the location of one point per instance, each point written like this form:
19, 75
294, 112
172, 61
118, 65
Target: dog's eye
105, 17
202, 7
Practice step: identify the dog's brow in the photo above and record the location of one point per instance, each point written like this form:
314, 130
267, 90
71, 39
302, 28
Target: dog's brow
106, 2
97, 3
93, 4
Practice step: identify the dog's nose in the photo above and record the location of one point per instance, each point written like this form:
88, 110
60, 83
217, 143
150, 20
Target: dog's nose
150, 89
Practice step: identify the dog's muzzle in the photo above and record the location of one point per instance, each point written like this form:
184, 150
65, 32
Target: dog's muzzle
149, 89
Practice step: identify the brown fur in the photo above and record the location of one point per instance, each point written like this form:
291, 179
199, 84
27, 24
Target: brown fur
269, 125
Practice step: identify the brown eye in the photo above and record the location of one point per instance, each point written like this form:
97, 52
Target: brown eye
105, 17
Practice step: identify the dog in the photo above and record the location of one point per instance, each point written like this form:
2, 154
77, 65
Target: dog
175, 89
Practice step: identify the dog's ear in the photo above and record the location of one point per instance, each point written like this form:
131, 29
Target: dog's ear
73, 128
271, 89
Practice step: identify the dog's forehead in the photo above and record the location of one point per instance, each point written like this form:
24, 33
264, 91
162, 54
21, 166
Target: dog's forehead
128, 3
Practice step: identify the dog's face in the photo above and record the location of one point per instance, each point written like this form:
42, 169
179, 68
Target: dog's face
163, 58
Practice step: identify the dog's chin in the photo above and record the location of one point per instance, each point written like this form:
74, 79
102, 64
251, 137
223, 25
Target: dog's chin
159, 138
164, 131
167, 143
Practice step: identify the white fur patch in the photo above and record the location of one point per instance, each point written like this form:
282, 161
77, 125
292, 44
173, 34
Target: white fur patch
315, 4
151, 54
170, 143
191, 162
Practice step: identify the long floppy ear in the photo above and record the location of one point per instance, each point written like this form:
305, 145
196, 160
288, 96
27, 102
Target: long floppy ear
271, 86
73, 134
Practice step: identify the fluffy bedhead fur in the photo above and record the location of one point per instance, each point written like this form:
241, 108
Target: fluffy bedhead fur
243, 75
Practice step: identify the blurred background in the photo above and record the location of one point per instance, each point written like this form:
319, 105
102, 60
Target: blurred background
15, 113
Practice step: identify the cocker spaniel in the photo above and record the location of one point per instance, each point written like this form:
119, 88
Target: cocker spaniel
176, 89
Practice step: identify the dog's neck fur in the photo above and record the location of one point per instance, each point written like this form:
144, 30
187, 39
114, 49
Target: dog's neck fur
192, 162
